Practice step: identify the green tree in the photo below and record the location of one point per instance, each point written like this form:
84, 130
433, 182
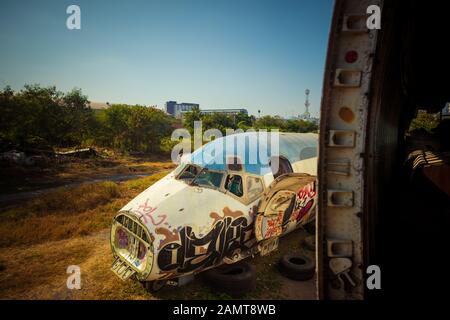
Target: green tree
132, 128
299, 125
78, 118
44, 116
190, 117
269, 122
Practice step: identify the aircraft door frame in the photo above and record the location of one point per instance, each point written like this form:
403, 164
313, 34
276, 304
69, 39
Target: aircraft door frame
279, 202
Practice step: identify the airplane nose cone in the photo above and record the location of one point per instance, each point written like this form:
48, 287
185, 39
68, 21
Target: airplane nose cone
153, 214
132, 246
151, 205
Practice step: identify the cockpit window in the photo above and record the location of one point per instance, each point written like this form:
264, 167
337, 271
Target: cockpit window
206, 178
179, 169
254, 187
233, 184
189, 173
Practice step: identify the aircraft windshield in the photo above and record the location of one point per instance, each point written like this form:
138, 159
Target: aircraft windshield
207, 178
198, 176
189, 173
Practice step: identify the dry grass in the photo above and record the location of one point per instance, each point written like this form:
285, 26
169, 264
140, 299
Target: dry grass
57, 172
40, 239
67, 213
92, 169
99, 282
39, 272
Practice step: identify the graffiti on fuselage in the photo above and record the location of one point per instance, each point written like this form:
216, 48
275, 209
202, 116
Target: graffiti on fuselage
305, 202
193, 252
148, 213
300, 205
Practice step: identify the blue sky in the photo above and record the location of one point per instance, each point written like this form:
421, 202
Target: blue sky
256, 54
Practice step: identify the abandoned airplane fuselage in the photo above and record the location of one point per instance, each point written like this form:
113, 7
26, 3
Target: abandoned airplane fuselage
206, 213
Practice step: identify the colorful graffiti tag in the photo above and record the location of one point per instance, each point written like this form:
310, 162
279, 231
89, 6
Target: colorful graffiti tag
146, 212
285, 211
305, 201
191, 252
273, 227
300, 205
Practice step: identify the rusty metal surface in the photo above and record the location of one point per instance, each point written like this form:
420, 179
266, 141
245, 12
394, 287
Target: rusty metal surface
344, 119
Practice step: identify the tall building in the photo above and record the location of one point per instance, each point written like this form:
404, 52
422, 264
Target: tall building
170, 107
177, 109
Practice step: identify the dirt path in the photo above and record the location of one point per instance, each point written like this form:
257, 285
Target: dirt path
9, 200
39, 272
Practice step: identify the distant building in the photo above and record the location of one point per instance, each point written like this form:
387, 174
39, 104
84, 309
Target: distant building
170, 107
99, 105
105, 105
229, 112
177, 109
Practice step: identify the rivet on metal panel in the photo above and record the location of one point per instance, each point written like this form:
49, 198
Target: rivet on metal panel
347, 78
351, 56
340, 198
339, 248
346, 114
354, 23
341, 138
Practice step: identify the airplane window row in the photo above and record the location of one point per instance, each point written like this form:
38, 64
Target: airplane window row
234, 185
254, 187
213, 179
209, 179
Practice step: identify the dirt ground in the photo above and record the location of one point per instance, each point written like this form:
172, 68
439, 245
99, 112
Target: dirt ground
23, 277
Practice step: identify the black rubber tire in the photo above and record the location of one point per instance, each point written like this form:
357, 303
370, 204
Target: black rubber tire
234, 279
297, 267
